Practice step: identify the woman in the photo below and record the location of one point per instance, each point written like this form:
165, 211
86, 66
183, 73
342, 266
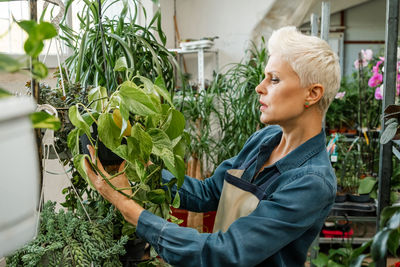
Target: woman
272, 198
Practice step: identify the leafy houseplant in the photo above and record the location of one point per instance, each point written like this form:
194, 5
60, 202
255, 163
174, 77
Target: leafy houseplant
139, 123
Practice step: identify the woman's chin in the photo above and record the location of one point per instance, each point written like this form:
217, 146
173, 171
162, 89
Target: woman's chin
265, 120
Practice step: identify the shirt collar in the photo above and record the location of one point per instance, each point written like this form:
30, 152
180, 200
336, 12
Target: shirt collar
299, 155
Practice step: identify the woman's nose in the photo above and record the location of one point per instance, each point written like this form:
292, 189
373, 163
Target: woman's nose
260, 89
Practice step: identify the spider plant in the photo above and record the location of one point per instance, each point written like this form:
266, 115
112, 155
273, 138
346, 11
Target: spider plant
108, 51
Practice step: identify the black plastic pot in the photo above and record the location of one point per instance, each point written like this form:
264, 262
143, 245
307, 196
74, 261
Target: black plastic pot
106, 156
135, 250
340, 198
353, 209
364, 198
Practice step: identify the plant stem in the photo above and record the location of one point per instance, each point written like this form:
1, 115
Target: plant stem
108, 181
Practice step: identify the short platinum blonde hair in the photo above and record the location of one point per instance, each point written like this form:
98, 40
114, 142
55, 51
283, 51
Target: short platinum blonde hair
311, 58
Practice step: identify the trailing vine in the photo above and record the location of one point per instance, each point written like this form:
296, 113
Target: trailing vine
70, 239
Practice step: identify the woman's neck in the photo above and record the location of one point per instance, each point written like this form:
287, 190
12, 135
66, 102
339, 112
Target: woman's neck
295, 134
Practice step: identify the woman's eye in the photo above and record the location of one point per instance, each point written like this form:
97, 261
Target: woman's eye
274, 80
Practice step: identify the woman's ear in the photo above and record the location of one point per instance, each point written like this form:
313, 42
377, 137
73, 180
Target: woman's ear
314, 93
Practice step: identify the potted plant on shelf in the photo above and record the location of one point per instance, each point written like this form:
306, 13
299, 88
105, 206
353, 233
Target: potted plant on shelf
384, 241
138, 123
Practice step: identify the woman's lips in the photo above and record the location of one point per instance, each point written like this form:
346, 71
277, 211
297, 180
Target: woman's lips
263, 106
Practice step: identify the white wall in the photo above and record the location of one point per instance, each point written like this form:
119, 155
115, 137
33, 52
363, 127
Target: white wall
231, 20
234, 20
365, 22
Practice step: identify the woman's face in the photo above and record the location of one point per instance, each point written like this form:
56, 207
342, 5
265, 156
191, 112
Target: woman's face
282, 98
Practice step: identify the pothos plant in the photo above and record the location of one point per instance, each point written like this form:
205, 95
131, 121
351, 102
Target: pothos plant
139, 123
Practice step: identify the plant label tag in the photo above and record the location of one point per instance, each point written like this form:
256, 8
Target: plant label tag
334, 157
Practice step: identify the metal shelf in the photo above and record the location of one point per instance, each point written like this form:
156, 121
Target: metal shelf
340, 240
200, 61
352, 218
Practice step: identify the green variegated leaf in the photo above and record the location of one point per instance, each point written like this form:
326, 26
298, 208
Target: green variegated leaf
73, 141
155, 100
180, 170
156, 196
160, 88
120, 64
144, 141
27, 25
77, 120
33, 47
108, 131
179, 145
39, 70
147, 84
165, 210
140, 171
79, 163
131, 173
177, 201
122, 151
125, 118
44, 120
152, 121
366, 185
98, 98
136, 101
176, 124
46, 30
90, 117
133, 149
160, 140
168, 157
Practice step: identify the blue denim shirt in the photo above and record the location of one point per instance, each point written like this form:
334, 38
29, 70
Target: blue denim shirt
277, 233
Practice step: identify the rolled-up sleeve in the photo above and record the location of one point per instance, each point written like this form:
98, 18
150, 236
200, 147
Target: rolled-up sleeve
281, 218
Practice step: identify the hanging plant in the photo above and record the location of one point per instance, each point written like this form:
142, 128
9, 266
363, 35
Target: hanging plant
139, 124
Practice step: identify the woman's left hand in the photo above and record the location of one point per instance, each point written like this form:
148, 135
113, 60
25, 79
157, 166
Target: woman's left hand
129, 208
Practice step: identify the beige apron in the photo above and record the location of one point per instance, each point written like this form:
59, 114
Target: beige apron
239, 197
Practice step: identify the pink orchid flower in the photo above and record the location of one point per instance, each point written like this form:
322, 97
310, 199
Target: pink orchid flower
375, 80
375, 69
379, 93
367, 54
340, 95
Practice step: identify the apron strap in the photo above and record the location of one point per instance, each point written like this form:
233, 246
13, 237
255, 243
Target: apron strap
245, 164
